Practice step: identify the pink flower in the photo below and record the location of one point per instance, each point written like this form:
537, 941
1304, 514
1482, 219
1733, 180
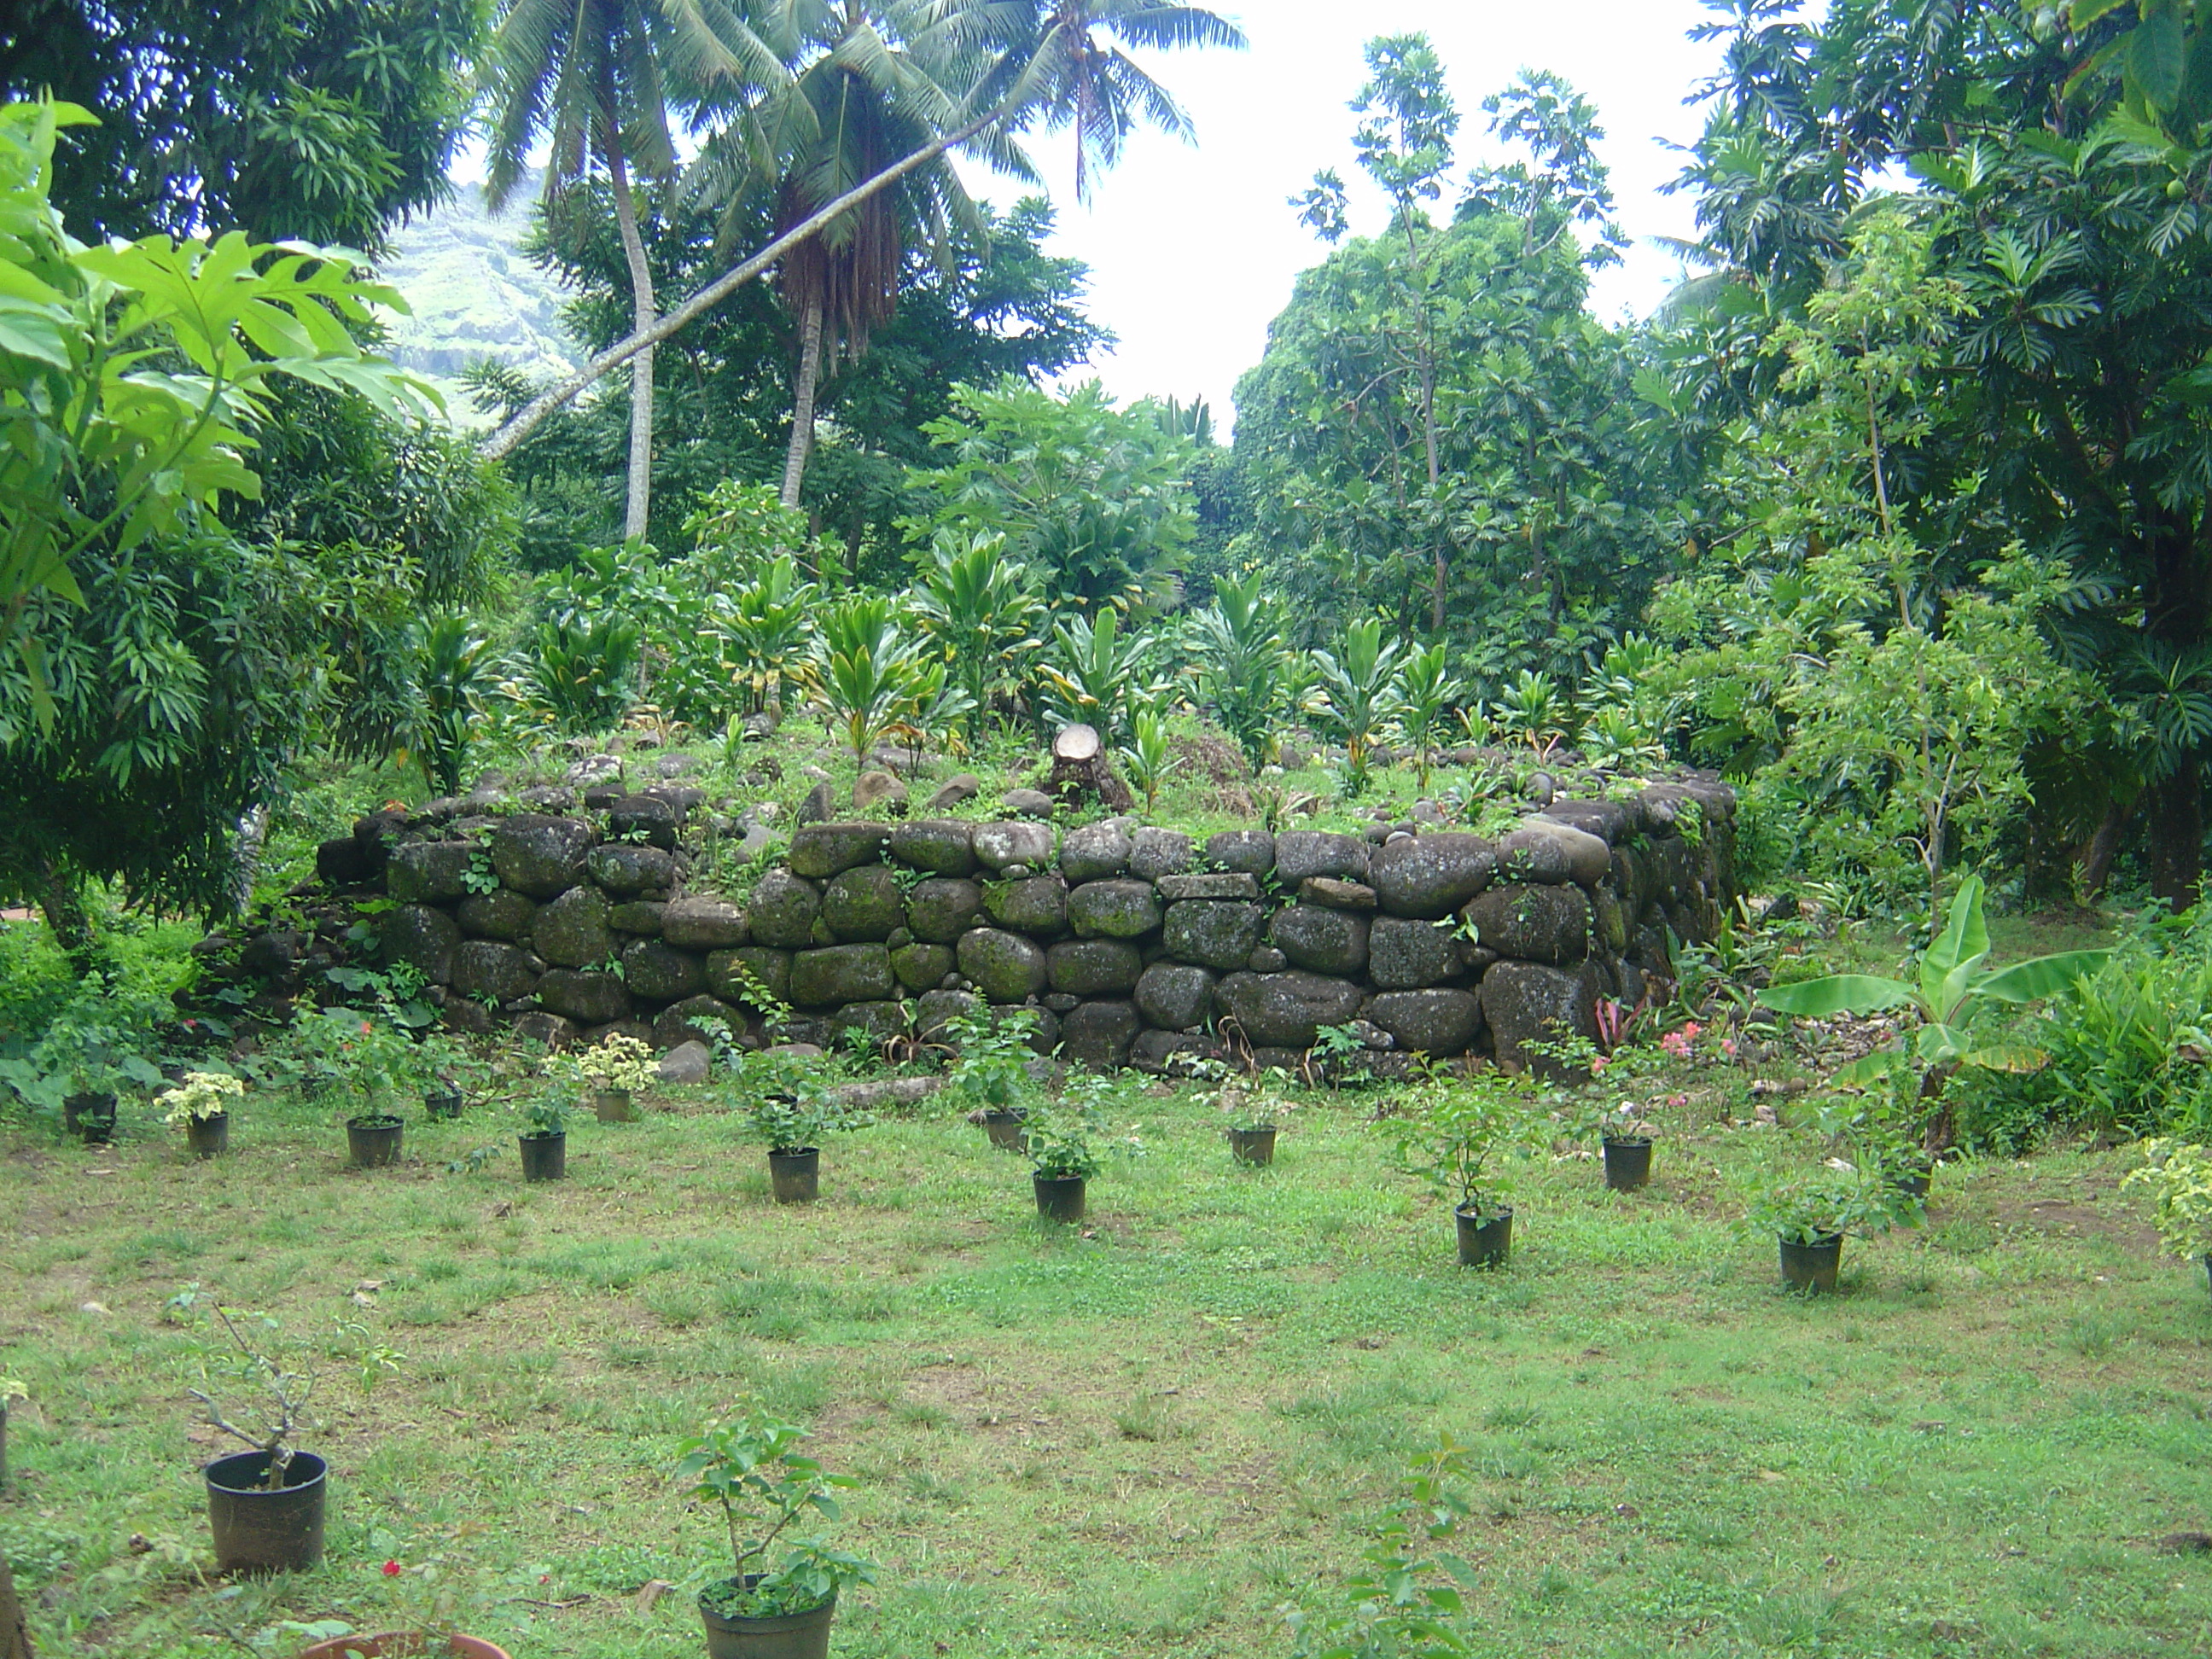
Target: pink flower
391, 1570
1728, 1046
364, 1028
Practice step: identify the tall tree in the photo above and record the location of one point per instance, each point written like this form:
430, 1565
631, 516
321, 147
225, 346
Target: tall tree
1044, 62
319, 120
600, 78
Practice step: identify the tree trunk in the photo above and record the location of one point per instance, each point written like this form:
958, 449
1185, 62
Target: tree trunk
532, 415
802, 407
638, 501
62, 904
14, 1634
2177, 834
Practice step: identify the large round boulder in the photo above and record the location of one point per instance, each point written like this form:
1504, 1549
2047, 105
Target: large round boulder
622, 867
1176, 996
943, 847
1404, 955
649, 818
1219, 934
661, 973
696, 922
1431, 1022
922, 967
1526, 1003
585, 995
820, 850
841, 973
782, 911
490, 967
731, 975
1325, 941
1300, 854
1112, 909
538, 855
1536, 924
1286, 1011
1544, 850
1093, 967
572, 930
864, 903
1098, 1033
428, 872
1005, 967
1249, 850
1036, 905
1013, 840
500, 913
1429, 876
422, 936
1095, 852
942, 907
1154, 853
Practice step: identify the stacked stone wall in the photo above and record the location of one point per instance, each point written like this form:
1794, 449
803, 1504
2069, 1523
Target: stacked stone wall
1136, 945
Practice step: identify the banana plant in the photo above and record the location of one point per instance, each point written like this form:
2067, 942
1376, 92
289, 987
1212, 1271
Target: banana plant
1952, 990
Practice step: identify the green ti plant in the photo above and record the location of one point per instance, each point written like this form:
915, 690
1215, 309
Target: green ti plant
872, 681
1359, 682
1147, 758
983, 611
1427, 689
1244, 668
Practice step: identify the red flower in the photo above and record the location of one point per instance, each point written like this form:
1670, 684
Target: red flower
391, 1570
364, 1028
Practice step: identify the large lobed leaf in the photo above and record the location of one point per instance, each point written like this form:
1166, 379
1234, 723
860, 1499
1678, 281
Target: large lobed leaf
1839, 993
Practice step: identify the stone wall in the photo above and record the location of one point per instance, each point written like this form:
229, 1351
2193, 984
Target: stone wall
1136, 945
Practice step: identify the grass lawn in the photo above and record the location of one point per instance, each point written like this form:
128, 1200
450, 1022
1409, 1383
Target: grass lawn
1141, 1439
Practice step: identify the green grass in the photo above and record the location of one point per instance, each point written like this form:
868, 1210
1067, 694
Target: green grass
1138, 1439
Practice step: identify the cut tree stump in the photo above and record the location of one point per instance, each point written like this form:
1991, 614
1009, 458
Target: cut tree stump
1079, 768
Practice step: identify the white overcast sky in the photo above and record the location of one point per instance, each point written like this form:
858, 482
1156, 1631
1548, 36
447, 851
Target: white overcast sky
1192, 249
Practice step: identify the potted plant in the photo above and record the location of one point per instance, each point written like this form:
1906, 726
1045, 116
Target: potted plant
1885, 1130
1453, 1134
789, 1110
2179, 1175
544, 1144
379, 1060
1625, 1141
751, 1466
1062, 1160
446, 1066
992, 1075
1255, 1117
616, 1069
1810, 1214
202, 1104
266, 1506
11, 1388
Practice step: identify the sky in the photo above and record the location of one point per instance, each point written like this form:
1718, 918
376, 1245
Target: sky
1192, 249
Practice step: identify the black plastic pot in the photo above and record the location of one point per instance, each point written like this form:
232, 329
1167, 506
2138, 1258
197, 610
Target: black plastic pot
209, 1136
545, 1157
443, 1104
1627, 1163
1004, 1128
789, 1636
1912, 1182
373, 1142
1485, 1241
1253, 1145
259, 1531
1059, 1198
3, 1443
795, 1174
91, 1118
613, 1106
1812, 1268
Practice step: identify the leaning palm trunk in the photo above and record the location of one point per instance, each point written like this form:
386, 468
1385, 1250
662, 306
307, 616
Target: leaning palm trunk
645, 336
802, 411
639, 499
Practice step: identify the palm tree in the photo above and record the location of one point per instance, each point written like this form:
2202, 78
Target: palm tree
869, 81
599, 78
1040, 60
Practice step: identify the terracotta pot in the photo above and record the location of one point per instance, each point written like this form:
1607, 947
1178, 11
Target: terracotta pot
391, 1644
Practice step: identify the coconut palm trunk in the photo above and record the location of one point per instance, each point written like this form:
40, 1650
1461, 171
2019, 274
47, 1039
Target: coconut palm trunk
638, 501
802, 409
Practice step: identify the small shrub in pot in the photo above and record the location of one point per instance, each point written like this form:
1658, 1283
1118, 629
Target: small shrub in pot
788, 1108
616, 1070
1811, 1213
265, 1505
1456, 1133
751, 1465
201, 1103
